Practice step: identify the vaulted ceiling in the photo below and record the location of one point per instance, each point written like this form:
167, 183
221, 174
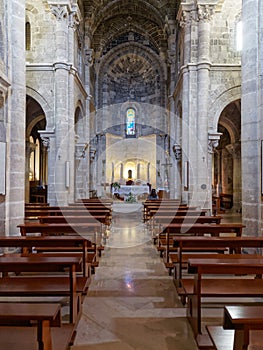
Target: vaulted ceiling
130, 41
109, 20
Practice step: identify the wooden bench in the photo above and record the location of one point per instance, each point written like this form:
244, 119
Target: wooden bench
42, 315
243, 319
161, 221
103, 219
221, 287
24, 338
35, 286
72, 243
185, 244
181, 211
90, 230
229, 339
171, 231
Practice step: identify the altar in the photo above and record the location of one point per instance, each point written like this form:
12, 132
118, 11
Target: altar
135, 190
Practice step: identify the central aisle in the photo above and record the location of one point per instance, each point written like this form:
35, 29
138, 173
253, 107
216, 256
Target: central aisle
132, 302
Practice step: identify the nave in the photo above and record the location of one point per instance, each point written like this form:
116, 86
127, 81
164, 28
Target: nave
132, 302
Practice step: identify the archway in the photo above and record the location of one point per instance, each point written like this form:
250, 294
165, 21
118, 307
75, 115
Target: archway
36, 153
227, 159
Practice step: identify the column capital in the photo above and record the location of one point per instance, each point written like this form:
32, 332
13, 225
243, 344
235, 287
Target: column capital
64, 10
80, 150
213, 140
45, 136
89, 56
186, 14
205, 12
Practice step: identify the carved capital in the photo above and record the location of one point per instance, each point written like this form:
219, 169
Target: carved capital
59, 11
45, 136
213, 141
80, 151
89, 57
177, 149
45, 142
205, 12
92, 153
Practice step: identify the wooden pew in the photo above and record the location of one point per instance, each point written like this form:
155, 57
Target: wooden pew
72, 243
164, 210
41, 286
238, 330
167, 219
74, 219
160, 221
221, 287
167, 240
172, 212
42, 315
35, 213
90, 230
85, 228
188, 244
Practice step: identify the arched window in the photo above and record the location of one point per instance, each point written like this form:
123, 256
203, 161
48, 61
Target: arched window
130, 123
28, 36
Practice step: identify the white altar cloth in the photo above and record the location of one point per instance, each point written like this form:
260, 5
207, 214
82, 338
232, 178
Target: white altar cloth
134, 189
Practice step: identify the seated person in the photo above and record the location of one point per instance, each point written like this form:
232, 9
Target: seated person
153, 194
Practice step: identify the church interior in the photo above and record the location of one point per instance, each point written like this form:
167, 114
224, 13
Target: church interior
101, 102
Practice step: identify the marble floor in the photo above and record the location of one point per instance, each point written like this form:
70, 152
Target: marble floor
132, 302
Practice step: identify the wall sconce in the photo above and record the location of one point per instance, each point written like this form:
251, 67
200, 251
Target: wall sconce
177, 151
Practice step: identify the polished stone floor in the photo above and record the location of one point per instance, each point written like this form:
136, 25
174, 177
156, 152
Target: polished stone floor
132, 303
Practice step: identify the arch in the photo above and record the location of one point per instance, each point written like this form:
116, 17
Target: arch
47, 111
223, 99
149, 70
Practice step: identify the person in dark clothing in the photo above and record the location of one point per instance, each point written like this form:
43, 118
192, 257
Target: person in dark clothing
153, 194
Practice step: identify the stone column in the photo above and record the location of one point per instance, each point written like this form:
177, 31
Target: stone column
235, 151
252, 116
185, 19
121, 171
15, 117
112, 172
227, 171
64, 113
138, 171
148, 172
30, 147
48, 142
88, 59
203, 190
213, 141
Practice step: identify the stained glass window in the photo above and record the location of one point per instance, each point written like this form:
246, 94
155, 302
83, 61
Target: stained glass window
130, 122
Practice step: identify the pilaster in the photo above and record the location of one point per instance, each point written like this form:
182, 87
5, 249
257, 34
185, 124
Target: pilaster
67, 16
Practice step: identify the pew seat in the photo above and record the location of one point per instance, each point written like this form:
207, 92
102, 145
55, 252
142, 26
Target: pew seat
223, 339
24, 338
